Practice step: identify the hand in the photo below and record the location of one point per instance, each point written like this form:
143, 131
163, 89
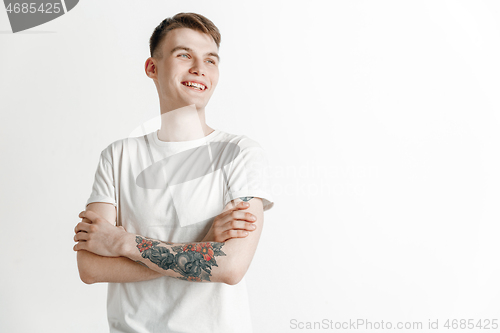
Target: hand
95, 234
232, 223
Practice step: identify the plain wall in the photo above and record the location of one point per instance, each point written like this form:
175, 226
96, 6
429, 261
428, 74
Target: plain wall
380, 120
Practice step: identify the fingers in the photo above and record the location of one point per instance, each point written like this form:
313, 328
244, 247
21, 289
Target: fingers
234, 223
90, 215
232, 233
80, 246
239, 225
81, 236
82, 226
241, 205
231, 215
234, 229
239, 215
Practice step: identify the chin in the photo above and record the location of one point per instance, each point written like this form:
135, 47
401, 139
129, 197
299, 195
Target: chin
200, 105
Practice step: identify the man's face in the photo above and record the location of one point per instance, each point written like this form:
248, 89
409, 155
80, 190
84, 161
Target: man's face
188, 71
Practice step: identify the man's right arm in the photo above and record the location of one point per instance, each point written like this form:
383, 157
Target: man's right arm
94, 268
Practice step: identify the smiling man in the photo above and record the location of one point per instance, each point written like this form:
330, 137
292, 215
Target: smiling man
175, 216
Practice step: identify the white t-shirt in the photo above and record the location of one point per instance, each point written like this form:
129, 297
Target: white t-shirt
171, 191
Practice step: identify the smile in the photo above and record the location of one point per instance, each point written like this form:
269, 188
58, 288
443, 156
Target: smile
194, 85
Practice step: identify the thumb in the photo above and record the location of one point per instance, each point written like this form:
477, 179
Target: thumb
242, 205
90, 215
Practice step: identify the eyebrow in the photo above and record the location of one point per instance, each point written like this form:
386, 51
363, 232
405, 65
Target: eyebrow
212, 54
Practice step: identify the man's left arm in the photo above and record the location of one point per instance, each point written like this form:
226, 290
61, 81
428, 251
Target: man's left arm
224, 262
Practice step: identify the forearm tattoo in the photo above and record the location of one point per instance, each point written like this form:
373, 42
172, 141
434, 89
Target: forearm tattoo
193, 261
246, 198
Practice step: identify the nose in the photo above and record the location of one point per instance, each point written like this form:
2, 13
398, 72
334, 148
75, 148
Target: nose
197, 68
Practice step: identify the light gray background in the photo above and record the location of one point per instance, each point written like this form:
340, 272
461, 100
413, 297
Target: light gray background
381, 123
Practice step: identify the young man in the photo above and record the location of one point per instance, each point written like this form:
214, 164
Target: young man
175, 216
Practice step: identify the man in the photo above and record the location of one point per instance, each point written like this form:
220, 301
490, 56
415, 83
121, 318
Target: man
175, 216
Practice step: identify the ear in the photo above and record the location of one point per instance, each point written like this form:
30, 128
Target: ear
150, 68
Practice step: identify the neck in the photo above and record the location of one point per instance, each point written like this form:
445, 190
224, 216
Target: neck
183, 124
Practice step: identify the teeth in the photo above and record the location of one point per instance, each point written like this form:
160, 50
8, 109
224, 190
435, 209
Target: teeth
196, 85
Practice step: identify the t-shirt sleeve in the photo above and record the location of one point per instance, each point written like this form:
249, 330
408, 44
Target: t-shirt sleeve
248, 176
103, 189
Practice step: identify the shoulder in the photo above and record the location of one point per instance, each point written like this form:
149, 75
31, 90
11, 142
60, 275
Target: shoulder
242, 141
115, 149
242, 149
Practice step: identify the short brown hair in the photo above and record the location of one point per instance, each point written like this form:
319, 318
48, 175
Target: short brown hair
182, 20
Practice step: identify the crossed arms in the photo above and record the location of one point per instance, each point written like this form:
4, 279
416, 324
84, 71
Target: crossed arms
107, 253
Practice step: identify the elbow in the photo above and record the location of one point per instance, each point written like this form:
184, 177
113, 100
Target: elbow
236, 269
84, 268
234, 276
86, 277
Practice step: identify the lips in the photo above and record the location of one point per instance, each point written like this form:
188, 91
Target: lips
195, 85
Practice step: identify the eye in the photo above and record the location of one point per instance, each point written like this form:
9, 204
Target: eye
183, 54
210, 60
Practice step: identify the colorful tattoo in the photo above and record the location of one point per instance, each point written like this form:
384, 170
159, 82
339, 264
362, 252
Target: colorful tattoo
193, 261
246, 198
